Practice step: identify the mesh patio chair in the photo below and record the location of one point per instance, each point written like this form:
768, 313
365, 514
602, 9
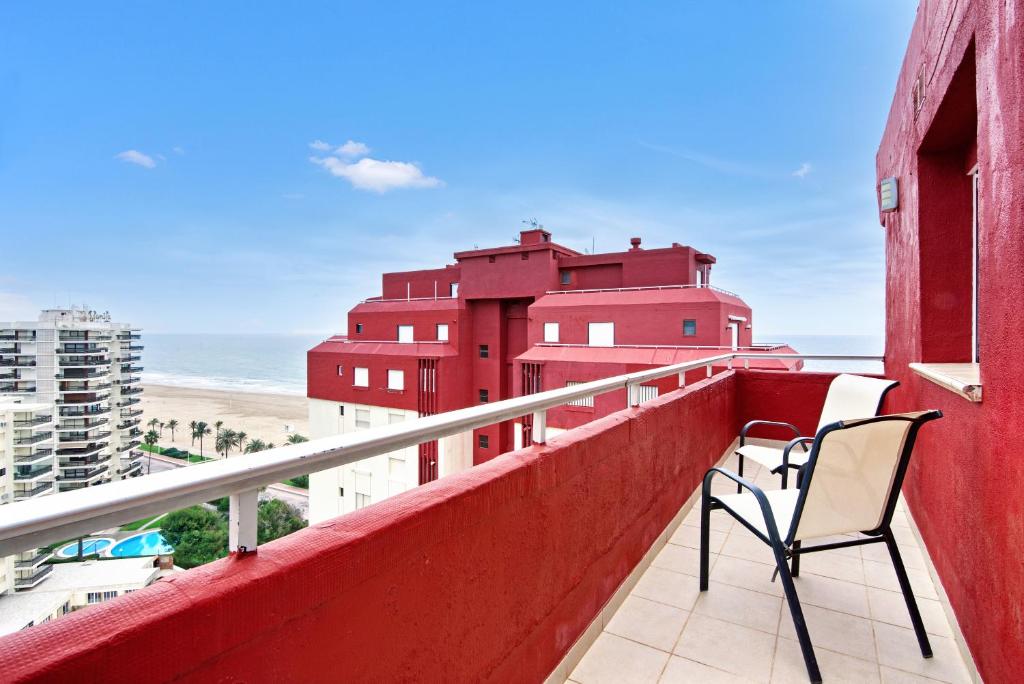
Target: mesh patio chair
850, 484
849, 396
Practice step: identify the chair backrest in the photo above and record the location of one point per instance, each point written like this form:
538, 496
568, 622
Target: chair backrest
854, 396
854, 474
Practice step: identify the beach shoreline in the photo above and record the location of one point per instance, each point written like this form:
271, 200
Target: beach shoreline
266, 416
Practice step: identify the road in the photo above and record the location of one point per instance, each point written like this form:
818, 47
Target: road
292, 495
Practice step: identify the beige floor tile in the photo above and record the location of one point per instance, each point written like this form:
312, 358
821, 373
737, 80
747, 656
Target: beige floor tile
839, 632
898, 649
681, 559
686, 671
726, 646
891, 676
690, 536
826, 592
740, 606
741, 543
615, 660
651, 623
666, 586
834, 667
913, 559
745, 574
720, 522
883, 576
834, 565
889, 607
852, 551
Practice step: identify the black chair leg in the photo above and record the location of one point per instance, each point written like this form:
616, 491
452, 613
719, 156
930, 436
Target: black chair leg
705, 535
796, 559
799, 624
739, 466
908, 594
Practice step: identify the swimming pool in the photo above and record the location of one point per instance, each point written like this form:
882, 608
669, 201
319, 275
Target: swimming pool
145, 544
90, 546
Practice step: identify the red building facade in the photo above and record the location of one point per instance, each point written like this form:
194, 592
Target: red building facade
517, 319
954, 144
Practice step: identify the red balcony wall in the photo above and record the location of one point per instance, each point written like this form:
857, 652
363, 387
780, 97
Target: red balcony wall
965, 486
490, 574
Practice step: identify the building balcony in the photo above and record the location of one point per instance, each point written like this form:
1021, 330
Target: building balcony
33, 439
127, 358
128, 402
82, 350
131, 413
78, 375
129, 468
130, 390
17, 388
82, 475
85, 362
94, 411
129, 423
35, 456
33, 474
81, 437
82, 422
575, 557
131, 336
33, 579
129, 446
32, 422
17, 336
33, 492
34, 561
17, 362
69, 454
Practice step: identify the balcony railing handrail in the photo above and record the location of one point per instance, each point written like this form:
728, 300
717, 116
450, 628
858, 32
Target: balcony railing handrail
705, 347
691, 286
37, 522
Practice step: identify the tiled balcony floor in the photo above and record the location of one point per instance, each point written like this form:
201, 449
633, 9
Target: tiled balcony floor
740, 629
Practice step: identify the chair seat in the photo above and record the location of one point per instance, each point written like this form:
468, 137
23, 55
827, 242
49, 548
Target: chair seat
771, 458
782, 502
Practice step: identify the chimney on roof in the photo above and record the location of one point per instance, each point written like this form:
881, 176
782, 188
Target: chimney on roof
635, 242
534, 236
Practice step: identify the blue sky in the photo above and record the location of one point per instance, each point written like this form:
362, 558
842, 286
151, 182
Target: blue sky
182, 143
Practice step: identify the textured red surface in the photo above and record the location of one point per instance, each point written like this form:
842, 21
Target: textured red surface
490, 574
966, 483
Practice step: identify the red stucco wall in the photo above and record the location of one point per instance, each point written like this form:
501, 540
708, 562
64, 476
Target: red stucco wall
966, 483
490, 574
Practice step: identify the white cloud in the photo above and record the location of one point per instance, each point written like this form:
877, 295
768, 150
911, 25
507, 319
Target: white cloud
320, 145
804, 169
353, 149
376, 175
177, 149
136, 157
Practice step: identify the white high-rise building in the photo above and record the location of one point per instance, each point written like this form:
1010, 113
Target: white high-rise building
70, 408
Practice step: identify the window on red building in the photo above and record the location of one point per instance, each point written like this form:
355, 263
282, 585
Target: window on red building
361, 377
484, 396
396, 380
341, 371
483, 441
359, 327
484, 351
442, 332
405, 334
690, 327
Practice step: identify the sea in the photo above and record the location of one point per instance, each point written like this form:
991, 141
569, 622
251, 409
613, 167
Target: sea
277, 363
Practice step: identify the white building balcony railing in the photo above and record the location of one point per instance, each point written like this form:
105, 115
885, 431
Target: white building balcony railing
31, 524
649, 287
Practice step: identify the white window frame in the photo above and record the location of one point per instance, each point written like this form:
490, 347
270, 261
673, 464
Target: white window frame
442, 332
360, 377
362, 424
551, 332
405, 334
601, 334
453, 290
396, 380
975, 352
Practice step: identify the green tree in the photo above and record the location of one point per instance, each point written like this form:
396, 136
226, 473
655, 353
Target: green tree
202, 430
197, 534
240, 438
153, 422
218, 425
225, 440
275, 518
256, 444
150, 439
192, 426
172, 425
297, 439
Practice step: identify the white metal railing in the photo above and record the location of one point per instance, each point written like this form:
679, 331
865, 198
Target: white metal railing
647, 287
35, 522
702, 347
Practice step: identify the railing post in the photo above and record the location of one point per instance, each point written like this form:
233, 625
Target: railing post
728, 364
682, 379
709, 370
539, 433
632, 395
746, 364
242, 521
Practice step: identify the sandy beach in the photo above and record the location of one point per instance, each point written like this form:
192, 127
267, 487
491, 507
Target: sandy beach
270, 417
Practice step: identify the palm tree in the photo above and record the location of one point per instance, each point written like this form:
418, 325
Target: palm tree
172, 425
225, 440
162, 429
202, 429
255, 445
240, 438
150, 439
192, 427
218, 425
153, 422
297, 439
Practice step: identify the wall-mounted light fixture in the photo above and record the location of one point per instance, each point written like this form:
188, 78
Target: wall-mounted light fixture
889, 192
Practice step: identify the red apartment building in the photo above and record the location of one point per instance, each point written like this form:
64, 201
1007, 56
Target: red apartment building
503, 322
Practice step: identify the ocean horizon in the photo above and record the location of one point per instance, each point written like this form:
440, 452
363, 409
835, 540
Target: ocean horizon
276, 363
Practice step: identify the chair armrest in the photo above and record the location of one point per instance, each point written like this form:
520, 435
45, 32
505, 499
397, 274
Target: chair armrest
762, 500
754, 423
802, 441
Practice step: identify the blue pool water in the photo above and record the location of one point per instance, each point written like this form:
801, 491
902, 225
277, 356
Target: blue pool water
89, 547
148, 544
